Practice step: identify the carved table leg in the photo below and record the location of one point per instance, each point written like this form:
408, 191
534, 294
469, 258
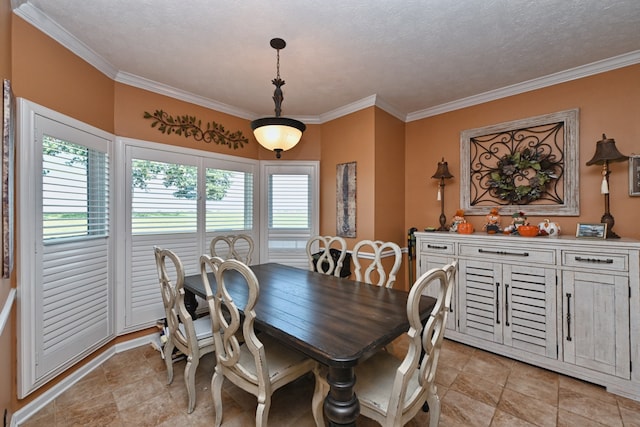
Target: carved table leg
341, 406
190, 303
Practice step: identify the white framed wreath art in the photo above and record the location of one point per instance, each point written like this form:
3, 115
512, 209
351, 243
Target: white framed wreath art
532, 162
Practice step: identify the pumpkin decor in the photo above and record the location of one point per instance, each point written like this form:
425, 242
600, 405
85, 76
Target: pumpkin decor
465, 228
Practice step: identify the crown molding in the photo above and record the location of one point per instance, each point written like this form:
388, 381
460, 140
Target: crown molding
162, 89
42, 22
597, 67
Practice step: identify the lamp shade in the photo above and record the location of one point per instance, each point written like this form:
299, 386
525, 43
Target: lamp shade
443, 171
606, 151
277, 133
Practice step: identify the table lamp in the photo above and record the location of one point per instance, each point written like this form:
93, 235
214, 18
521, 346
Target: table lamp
442, 173
606, 152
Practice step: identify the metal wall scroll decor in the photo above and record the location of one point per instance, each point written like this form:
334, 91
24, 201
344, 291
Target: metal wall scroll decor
346, 199
190, 126
532, 162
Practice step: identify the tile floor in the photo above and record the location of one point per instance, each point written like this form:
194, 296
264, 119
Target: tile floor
476, 389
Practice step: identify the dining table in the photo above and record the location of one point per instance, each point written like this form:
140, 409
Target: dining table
336, 321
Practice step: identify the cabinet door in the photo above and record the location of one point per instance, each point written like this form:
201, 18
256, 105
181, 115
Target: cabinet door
595, 312
480, 299
530, 309
427, 262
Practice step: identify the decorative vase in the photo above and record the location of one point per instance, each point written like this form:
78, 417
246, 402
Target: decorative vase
549, 228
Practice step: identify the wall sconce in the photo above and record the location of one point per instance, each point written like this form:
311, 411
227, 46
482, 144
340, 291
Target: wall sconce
442, 173
606, 152
277, 133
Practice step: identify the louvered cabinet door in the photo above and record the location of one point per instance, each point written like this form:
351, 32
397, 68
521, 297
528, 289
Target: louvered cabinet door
427, 262
530, 309
480, 298
595, 313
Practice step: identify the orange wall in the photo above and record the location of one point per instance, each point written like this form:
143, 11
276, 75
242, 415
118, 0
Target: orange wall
608, 103
50, 75
349, 139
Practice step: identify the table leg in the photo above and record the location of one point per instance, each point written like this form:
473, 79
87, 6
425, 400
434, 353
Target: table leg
341, 406
190, 303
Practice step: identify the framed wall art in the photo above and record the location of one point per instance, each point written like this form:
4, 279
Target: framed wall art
531, 162
8, 141
346, 199
634, 175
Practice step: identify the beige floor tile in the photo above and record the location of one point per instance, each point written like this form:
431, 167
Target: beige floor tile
587, 389
527, 408
537, 387
458, 409
503, 419
493, 368
478, 388
569, 419
590, 407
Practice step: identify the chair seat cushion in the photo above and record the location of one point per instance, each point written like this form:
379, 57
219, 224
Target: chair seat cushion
374, 381
280, 360
202, 325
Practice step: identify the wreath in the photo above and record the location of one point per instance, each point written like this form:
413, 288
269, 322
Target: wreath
521, 177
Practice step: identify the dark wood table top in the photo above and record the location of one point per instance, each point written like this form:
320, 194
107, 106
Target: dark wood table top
333, 320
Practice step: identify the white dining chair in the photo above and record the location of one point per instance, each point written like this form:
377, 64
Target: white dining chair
235, 246
261, 365
392, 391
375, 251
320, 251
192, 337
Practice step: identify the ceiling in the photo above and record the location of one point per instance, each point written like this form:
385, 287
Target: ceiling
412, 57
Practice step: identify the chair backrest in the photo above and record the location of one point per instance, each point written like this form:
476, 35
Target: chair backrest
425, 339
322, 261
361, 251
171, 277
236, 246
226, 320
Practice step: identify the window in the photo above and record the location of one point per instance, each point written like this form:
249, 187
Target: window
290, 209
74, 190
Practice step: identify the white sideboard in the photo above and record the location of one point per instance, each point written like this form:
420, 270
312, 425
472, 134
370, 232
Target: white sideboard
565, 304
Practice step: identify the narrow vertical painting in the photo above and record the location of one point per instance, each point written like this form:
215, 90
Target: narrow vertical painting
346, 199
8, 135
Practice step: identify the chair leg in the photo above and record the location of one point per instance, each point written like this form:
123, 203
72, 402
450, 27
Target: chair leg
317, 404
216, 394
190, 381
433, 402
262, 412
168, 359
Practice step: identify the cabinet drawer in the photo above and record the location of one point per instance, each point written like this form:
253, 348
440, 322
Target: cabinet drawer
508, 254
440, 247
596, 260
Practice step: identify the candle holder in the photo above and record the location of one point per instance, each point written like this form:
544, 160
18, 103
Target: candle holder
442, 173
606, 152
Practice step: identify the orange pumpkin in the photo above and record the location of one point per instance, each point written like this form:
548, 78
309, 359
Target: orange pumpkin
465, 228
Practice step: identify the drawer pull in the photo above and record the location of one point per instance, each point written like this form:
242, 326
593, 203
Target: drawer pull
484, 251
597, 260
436, 247
568, 317
506, 304
497, 303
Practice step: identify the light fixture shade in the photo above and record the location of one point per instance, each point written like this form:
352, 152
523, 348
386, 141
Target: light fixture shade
277, 133
606, 151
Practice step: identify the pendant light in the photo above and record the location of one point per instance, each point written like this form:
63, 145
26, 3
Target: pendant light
277, 133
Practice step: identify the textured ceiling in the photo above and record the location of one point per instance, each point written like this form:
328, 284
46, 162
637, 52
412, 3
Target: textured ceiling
414, 55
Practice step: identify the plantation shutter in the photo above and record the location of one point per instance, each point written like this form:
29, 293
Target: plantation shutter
290, 212
164, 212
65, 276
